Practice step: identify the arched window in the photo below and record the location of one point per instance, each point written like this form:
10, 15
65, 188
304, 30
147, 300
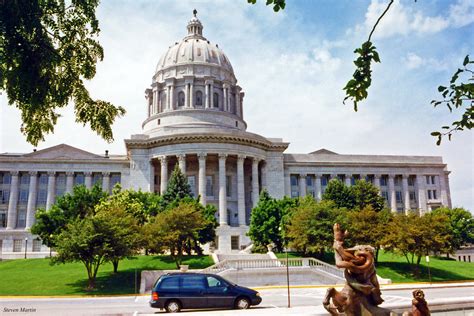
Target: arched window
181, 98
198, 98
216, 100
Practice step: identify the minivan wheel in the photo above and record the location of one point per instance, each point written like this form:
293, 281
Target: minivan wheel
242, 303
172, 307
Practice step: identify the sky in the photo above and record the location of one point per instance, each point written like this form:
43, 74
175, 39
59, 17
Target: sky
292, 66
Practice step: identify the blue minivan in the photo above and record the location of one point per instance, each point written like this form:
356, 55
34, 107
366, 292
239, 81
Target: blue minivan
176, 291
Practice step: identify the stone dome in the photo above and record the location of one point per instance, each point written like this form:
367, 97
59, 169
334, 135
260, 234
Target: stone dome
193, 88
195, 49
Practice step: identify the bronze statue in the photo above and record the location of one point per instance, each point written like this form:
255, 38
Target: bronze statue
361, 291
419, 305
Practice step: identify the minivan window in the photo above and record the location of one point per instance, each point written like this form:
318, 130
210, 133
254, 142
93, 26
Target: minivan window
169, 284
193, 282
215, 283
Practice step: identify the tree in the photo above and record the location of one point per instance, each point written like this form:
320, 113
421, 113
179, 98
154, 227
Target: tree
309, 229
339, 193
461, 227
173, 229
127, 232
89, 240
368, 227
79, 204
178, 187
266, 221
47, 50
458, 95
416, 236
366, 194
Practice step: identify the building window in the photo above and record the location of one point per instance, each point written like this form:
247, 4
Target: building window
43, 178
5, 178
21, 221
79, 179
198, 98
4, 196
3, 219
192, 184
60, 184
294, 186
24, 178
228, 185
398, 181
293, 181
216, 100
96, 178
412, 197
432, 195
181, 99
398, 195
209, 186
309, 181
430, 179
17, 244
23, 198
234, 242
383, 181
411, 181
42, 195
324, 180
37, 245
354, 179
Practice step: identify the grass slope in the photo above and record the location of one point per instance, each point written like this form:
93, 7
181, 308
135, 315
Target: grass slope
396, 268
38, 277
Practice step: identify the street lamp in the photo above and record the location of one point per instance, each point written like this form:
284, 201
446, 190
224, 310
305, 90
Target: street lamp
287, 267
26, 245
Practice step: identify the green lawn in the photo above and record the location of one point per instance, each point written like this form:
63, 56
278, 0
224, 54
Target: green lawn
38, 277
396, 268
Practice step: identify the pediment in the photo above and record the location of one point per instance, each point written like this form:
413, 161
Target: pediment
323, 151
62, 151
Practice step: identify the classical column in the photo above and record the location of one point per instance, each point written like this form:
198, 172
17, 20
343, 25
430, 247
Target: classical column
226, 97
158, 101
391, 188
106, 182
69, 182
347, 179
51, 189
31, 206
182, 163
155, 101
202, 177
88, 179
164, 174
211, 95
377, 182
172, 103
287, 184
208, 101
255, 192
237, 102
317, 186
302, 184
241, 190
222, 191
186, 95
191, 95
443, 189
406, 193
420, 183
13, 202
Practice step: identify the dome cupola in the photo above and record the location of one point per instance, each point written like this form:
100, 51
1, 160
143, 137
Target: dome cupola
193, 87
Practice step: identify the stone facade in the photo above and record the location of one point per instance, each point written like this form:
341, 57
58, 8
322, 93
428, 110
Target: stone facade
194, 119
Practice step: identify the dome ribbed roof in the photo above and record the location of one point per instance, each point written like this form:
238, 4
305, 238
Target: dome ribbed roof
194, 48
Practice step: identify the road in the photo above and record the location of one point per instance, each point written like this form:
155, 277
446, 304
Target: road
128, 305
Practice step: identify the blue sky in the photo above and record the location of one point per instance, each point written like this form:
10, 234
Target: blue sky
292, 66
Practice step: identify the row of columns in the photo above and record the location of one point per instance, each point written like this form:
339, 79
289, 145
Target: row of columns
158, 106
421, 188
202, 182
51, 193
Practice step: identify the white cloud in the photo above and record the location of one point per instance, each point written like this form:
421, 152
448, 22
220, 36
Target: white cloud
404, 19
414, 61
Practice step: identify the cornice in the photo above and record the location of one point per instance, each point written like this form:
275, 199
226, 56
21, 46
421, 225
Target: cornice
364, 164
257, 142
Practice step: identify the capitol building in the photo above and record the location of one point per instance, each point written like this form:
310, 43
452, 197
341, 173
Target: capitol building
194, 118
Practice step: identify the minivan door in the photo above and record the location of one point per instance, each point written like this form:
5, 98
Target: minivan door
219, 293
193, 291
